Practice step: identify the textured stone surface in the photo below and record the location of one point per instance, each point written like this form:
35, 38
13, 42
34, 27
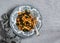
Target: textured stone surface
50, 11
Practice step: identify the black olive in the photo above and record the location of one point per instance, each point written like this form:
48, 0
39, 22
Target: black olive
27, 12
26, 16
27, 22
17, 24
31, 26
25, 30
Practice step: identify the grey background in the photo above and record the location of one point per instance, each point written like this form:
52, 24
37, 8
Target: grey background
50, 11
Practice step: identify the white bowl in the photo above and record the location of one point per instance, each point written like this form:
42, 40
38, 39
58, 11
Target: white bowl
14, 15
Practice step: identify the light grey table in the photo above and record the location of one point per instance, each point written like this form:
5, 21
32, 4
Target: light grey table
50, 11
